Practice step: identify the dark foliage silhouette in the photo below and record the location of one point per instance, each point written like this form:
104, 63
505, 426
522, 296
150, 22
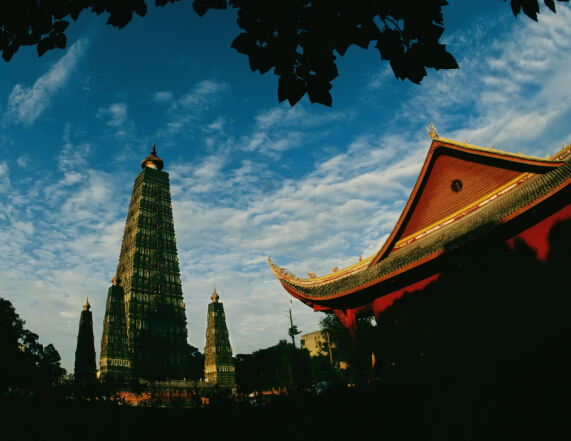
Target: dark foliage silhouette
275, 367
298, 39
24, 362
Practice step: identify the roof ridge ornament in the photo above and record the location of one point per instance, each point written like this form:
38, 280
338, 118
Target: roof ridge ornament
432, 131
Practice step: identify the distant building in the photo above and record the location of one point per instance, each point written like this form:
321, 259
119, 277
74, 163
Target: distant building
218, 362
315, 343
85, 365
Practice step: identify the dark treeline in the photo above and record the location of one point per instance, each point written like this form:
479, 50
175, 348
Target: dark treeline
24, 362
282, 366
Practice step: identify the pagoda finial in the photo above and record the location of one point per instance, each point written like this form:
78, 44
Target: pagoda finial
153, 161
86, 306
215, 295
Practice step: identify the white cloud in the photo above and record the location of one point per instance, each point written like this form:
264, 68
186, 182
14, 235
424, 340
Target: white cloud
284, 128
25, 105
189, 108
117, 114
163, 97
4, 177
24, 161
514, 87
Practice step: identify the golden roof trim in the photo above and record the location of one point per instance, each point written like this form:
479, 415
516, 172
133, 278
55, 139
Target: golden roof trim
496, 151
282, 273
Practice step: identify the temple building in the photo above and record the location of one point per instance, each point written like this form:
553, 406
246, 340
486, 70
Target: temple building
218, 362
85, 365
144, 330
465, 199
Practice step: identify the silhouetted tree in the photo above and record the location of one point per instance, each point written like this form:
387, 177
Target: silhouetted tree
278, 366
359, 356
297, 38
23, 360
195, 360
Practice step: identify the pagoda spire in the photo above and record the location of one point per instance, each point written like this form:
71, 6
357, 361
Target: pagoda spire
153, 161
85, 365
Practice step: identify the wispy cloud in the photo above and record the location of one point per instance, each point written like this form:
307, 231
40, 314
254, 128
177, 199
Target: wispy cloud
117, 114
185, 111
514, 88
163, 97
283, 128
26, 104
4, 177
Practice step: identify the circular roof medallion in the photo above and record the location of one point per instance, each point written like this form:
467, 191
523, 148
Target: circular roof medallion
457, 185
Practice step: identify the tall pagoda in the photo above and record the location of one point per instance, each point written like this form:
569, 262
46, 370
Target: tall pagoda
218, 362
144, 330
466, 199
85, 365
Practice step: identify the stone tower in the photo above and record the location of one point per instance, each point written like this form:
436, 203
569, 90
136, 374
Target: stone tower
218, 363
85, 365
144, 330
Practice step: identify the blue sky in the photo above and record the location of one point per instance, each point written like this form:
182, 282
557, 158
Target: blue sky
313, 187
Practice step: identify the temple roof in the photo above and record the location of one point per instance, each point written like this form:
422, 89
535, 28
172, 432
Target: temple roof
153, 160
462, 192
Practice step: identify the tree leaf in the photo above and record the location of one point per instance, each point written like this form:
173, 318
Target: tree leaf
201, 7
550, 4
60, 26
59, 40
243, 43
141, 8
318, 91
291, 88
45, 45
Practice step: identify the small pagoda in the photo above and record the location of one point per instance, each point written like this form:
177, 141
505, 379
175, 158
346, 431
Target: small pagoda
85, 365
218, 362
466, 198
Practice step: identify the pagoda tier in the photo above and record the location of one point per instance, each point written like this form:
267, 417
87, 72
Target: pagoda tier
148, 284
218, 362
465, 195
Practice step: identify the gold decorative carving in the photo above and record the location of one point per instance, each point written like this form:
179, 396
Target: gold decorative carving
311, 275
432, 131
